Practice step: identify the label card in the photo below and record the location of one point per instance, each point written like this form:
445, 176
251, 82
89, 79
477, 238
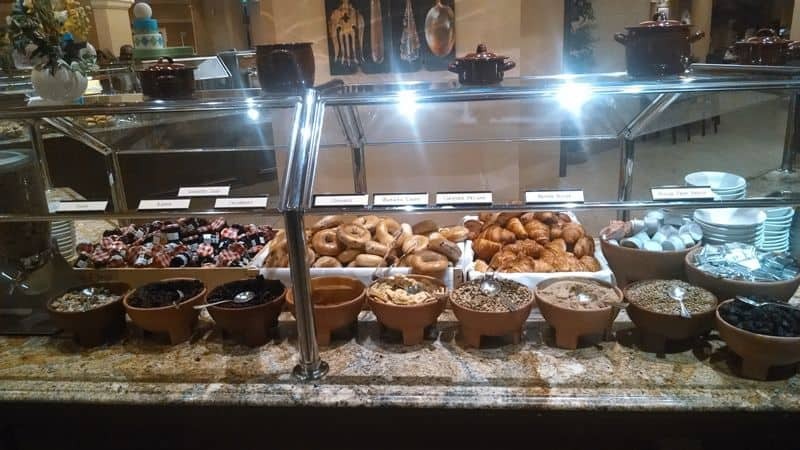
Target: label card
400, 199
565, 196
464, 198
682, 193
241, 202
341, 200
82, 206
151, 205
204, 191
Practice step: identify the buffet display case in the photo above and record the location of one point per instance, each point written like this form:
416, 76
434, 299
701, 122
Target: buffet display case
442, 154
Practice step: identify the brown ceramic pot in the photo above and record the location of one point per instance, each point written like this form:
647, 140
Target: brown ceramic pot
285, 67
96, 326
481, 67
657, 328
411, 320
475, 324
781, 291
658, 47
178, 322
337, 302
629, 264
249, 325
167, 80
759, 352
571, 324
766, 48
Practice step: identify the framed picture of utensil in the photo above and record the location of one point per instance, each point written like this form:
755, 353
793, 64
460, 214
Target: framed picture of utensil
358, 36
423, 34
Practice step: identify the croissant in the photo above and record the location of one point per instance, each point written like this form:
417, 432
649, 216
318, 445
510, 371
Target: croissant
555, 231
522, 265
530, 248
485, 249
515, 226
516, 247
503, 218
473, 227
493, 233
542, 266
488, 218
591, 264
527, 217
559, 245
572, 232
546, 217
481, 266
538, 231
584, 247
564, 218
561, 263
502, 259
574, 264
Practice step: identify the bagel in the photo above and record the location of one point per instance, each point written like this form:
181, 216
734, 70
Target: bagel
376, 248
425, 227
446, 248
327, 261
348, 255
326, 242
455, 234
368, 222
415, 244
405, 233
327, 222
428, 262
353, 236
365, 260
385, 231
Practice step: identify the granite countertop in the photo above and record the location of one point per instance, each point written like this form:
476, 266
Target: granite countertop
367, 371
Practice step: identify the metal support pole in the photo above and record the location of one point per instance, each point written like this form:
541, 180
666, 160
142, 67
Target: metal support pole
790, 140
37, 143
627, 150
354, 133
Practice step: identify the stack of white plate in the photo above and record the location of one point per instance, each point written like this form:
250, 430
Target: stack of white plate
727, 186
777, 229
722, 226
64, 234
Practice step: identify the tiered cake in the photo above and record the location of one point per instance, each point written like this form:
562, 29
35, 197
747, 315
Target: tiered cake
145, 28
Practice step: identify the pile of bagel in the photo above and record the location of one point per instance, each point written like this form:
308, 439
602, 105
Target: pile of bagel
531, 242
372, 241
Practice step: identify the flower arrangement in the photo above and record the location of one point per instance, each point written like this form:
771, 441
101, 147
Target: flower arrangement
45, 34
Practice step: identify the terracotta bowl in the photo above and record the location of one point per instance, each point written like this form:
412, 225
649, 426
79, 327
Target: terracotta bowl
249, 325
571, 324
337, 302
759, 352
630, 265
475, 324
658, 328
781, 291
177, 322
411, 320
96, 326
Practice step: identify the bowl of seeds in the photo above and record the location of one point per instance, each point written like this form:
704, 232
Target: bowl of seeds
655, 311
577, 307
408, 303
167, 307
763, 335
500, 314
92, 313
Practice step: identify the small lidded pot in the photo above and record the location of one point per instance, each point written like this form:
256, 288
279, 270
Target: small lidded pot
658, 47
481, 67
167, 80
766, 48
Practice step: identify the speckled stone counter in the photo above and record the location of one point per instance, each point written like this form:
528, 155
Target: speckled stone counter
368, 370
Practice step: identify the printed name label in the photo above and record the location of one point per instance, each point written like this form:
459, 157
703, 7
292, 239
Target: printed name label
82, 206
400, 199
682, 193
204, 191
342, 200
464, 198
242, 202
567, 196
149, 205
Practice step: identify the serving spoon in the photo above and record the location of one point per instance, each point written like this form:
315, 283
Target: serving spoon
678, 294
490, 287
241, 297
758, 304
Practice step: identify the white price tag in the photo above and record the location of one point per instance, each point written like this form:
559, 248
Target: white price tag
464, 198
150, 205
566, 196
682, 193
341, 200
82, 206
400, 199
204, 191
241, 202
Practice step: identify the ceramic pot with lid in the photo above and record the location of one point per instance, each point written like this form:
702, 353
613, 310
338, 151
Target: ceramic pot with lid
285, 67
167, 80
481, 67
658, 47
766, 48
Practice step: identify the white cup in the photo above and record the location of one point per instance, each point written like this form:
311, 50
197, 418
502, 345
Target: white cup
673, 244
632, 242
653, 246
659, 237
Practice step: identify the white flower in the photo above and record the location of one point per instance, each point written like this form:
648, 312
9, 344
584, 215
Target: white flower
61, 16
30, 48
28, 4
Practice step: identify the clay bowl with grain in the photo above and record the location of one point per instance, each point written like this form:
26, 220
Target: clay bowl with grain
658, 328
475, 323
781, 291
168, 312
759, 352
571, 324
411, 320
630, 264
249, 323
95, 326
337, 302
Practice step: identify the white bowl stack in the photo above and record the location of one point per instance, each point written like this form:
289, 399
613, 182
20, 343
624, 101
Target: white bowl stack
727, 186
777, 229
62, 231
727, 225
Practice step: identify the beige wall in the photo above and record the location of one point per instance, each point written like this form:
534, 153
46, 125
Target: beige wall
612, 17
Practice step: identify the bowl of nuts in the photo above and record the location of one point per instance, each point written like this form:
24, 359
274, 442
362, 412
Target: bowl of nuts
94, 313
408, 303
499, 314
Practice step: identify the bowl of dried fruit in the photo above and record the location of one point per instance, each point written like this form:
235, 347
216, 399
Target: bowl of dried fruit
337, 302
249, 321
92, 313
501, 314
577, 307
764, 336
658, 316
167, 307
408, 303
